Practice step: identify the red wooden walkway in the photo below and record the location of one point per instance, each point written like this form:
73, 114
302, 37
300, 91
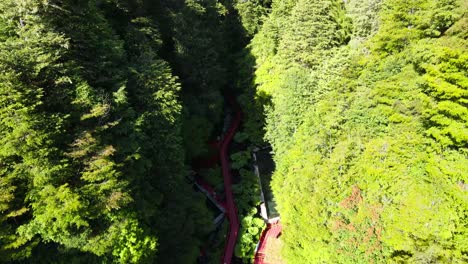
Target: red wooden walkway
226, 167
271, 232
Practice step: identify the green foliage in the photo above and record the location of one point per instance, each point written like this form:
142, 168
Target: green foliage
199, 47
240, 137
240, 159
364, 103
196, 133
134, 246
252, 13
367, 119
412, 20
314, 28
249, 235
443, 64
247, 194
92, 158
213, 176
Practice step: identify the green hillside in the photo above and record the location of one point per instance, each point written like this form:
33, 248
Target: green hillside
367, 114
106, 106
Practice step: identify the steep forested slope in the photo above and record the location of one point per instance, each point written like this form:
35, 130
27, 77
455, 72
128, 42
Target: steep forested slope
368, 121
92, 155
104, 103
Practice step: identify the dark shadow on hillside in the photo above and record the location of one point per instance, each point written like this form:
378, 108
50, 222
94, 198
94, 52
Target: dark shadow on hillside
252, 101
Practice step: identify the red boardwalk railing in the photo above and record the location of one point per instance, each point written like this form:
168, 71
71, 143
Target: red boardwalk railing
271, 232
226, 167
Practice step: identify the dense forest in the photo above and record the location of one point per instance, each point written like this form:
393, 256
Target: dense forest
366, 107
102, 106
105, 104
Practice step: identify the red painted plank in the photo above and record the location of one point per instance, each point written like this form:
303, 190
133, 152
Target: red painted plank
226, 167
271, 232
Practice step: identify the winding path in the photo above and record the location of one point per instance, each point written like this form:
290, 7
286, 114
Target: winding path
226, 166
272, 231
